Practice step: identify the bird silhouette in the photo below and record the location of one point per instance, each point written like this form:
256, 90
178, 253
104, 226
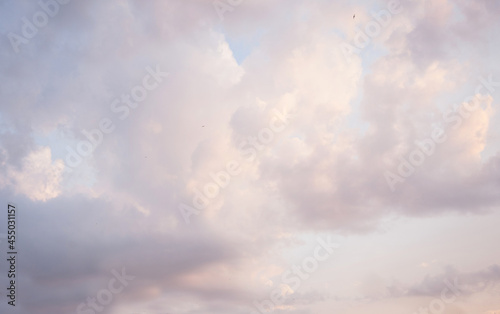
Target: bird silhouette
354, 16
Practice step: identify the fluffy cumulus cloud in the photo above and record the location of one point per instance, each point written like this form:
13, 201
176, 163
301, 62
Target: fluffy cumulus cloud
251, 156
39, 178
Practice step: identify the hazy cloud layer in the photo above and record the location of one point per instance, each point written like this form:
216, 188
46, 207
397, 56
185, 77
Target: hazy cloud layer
390, 147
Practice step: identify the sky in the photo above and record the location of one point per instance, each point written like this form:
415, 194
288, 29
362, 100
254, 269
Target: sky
250, 156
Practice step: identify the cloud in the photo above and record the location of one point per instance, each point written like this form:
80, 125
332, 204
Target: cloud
39, 177
350, 121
